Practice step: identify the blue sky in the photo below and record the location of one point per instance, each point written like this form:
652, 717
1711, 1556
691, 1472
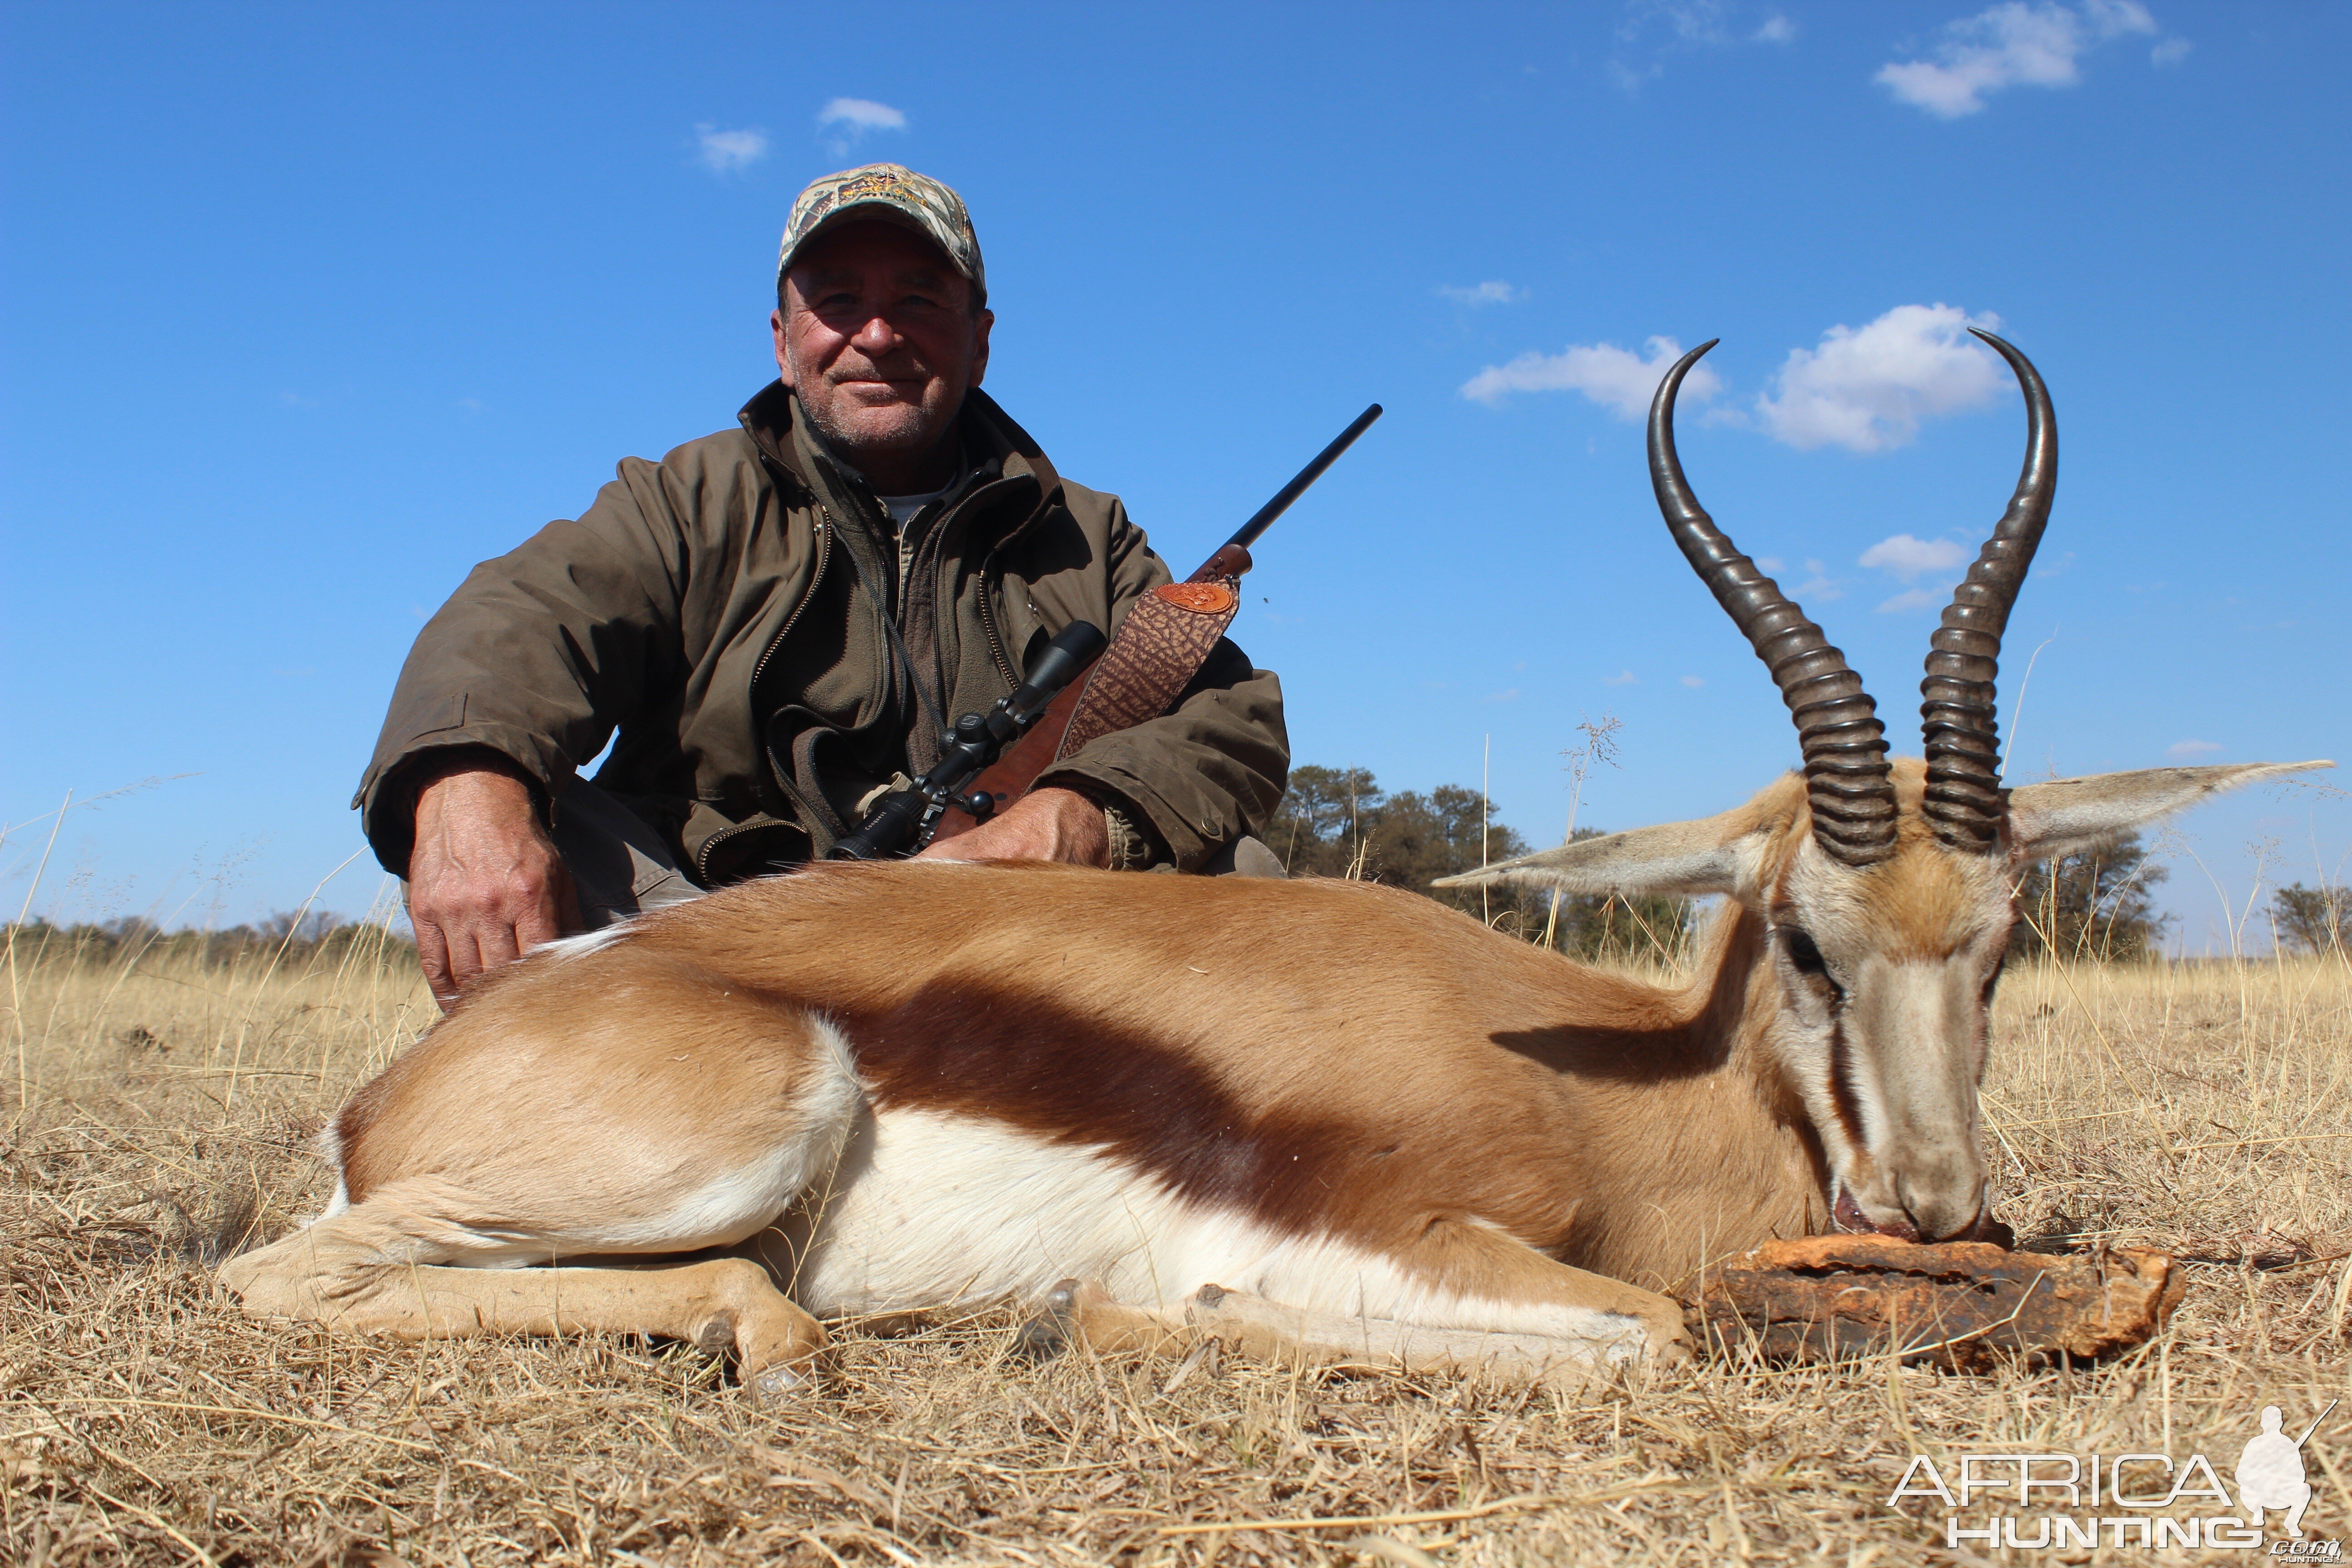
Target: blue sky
303, 310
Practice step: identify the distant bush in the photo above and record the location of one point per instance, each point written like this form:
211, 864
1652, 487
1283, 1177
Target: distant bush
317, 936
1337, 822
2313, 919
2097, 904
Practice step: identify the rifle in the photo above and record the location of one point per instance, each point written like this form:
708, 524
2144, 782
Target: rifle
904, 817
1207, 597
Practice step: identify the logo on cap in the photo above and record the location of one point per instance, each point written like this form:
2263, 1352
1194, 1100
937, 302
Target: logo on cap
893, 193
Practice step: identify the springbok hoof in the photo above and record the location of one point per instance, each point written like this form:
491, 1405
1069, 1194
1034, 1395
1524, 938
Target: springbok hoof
1050, 1330
717, 1336
783, 1383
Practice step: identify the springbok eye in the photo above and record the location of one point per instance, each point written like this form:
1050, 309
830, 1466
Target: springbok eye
1803, 954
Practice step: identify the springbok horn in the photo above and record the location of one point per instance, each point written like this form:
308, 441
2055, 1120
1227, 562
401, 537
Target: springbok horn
1844, 745
1965, 804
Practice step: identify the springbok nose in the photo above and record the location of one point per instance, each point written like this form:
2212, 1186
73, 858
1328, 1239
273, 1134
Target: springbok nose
1936, 1217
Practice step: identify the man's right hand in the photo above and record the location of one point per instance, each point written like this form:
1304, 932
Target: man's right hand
485, 883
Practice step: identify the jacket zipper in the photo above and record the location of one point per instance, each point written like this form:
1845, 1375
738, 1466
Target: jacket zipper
823, 553
988, 623
996, 648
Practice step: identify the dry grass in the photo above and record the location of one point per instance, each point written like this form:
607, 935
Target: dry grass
2196, 1107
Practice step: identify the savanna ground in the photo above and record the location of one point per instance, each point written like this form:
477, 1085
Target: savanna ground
159, 1108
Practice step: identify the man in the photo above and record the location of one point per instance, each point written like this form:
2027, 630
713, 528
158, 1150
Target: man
778, 619
2270, 1472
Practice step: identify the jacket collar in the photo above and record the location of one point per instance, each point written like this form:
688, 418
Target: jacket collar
991, 438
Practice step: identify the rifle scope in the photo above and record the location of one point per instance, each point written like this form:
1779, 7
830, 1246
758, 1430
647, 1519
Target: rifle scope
904, 818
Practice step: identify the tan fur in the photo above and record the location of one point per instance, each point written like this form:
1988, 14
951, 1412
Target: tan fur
1566, 1073
1334, 1063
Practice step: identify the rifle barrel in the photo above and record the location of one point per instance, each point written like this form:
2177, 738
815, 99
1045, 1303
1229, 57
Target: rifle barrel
1265, 516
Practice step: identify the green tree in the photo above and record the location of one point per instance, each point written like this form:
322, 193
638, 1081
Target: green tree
2313, 919
1317, 829
1337, 822
2096, 904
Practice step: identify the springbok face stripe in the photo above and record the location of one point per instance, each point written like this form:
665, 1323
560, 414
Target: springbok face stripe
1842, 1092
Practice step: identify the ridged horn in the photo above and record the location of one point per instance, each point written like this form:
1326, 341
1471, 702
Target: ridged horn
1965, 804
1844, 745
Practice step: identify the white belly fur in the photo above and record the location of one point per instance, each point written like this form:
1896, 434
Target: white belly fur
931, 1210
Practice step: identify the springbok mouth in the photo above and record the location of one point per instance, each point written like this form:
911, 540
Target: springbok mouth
1846, 1214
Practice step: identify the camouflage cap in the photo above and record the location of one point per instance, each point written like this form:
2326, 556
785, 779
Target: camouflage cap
897, 194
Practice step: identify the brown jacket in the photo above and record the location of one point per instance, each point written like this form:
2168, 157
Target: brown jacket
721, 609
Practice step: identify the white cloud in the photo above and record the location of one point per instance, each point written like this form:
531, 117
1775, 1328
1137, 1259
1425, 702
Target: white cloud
724, 152
1926, 598
860, 115
1492, 293
1622, 677
849, 120
1699, 22
1819, 587
2011, 44
1651, 30
1629, 79
1693, 681
1618, 379
2169, 52
1907, 557
1868, 388
2181, 751
1692, 21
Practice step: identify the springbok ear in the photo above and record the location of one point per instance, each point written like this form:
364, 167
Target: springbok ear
1714, 855
2064, 815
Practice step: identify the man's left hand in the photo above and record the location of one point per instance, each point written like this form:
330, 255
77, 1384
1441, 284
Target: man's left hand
1044, 825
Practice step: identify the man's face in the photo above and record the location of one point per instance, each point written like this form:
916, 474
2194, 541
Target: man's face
877, 337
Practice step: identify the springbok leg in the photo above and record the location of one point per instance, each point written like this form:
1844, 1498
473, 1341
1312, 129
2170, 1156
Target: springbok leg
338, 1273
1079, 1311
1492, 1305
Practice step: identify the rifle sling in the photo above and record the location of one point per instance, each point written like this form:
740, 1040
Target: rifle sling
1160, 647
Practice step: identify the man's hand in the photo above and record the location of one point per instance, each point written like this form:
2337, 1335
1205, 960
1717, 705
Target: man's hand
485, 885
1044, 825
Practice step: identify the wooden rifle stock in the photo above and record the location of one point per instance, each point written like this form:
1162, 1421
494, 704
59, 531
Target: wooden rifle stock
1030, 756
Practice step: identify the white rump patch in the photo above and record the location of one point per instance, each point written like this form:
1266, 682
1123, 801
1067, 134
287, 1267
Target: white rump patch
336, 1204
586, 942
330, 1144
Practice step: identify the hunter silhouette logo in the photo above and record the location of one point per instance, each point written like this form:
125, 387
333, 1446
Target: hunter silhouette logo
2148, 1500
2270, 1472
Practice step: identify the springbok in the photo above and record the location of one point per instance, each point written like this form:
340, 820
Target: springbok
1331, 1119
